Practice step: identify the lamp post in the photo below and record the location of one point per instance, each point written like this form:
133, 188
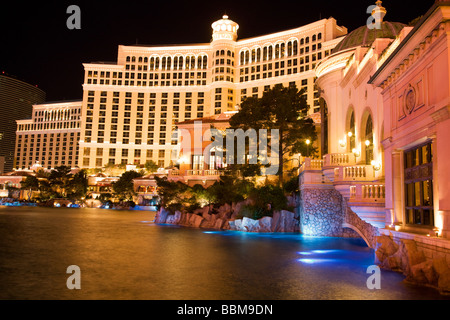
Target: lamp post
307, 147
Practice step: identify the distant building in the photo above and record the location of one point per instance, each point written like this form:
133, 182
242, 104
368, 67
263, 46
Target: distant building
50, 138
16, 101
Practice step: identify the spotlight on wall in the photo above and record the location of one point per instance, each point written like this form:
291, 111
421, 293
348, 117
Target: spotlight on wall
376, 165
342, 143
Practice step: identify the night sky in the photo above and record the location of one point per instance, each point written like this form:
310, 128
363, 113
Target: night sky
37, 47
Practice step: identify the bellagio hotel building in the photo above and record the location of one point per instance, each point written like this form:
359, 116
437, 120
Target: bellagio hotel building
131, 107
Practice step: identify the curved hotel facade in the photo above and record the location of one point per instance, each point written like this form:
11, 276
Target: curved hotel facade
131, 107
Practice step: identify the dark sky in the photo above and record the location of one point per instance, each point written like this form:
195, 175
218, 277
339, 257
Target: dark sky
37, 47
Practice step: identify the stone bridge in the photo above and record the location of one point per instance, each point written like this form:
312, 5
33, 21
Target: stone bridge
325, 212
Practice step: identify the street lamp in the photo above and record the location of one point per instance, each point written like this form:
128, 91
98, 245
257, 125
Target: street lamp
307, 147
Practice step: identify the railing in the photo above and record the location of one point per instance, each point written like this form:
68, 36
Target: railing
203, 173
369, 192
311, 164
354, 173
339, 159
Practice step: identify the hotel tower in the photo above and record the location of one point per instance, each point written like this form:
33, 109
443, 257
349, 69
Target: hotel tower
131, 107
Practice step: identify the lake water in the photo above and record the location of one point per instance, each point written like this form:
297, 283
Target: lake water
123, 255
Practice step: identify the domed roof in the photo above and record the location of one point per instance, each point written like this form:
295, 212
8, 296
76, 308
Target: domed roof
363, 36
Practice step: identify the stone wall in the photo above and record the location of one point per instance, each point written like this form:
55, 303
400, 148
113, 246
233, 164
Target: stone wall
321, 212
407, 256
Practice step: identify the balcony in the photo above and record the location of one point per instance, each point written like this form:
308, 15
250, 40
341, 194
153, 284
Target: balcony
354, 173
339, 159
333, 160
310, 173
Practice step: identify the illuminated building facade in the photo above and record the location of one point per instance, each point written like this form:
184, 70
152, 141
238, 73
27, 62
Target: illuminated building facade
385, 95
50, 138
131, 107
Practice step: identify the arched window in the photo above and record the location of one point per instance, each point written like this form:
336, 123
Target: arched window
169, 63
282, 50
200, 62
175, 63
180, 63
352, 132
156, 63
258, 55
277, 51
128, 59
314, 37
242, 58
295, 48
163, 63
368, 139
270, 53
205, 62
152, 63
302, 41
265, 54
247, 57
289, 49
319, 36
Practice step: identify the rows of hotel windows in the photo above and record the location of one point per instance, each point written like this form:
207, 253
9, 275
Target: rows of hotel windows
223, 65
262, 66
53, 119
123, 155
50, 149
302, 85
152, 71
147, 117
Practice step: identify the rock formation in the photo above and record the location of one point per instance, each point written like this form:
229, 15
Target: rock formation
405, 257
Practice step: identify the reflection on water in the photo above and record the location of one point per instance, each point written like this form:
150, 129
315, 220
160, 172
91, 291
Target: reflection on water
123, 255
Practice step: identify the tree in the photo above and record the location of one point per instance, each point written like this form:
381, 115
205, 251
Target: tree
78, 185
124, 186
151, 166
59, 180
30, 183
284, 109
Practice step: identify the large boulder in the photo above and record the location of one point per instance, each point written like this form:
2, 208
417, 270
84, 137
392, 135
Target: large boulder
386, 247
410, 255
283, 221
250, 225
162, 215
219, 223
265, 224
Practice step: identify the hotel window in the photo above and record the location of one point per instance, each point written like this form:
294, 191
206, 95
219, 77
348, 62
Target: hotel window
418, 163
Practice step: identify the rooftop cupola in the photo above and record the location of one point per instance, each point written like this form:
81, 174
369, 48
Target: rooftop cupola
225, 29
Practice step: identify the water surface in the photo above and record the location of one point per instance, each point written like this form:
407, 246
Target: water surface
123, 255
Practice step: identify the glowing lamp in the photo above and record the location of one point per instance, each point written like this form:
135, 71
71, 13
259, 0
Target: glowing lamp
376, 165
356, 152
367, 143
